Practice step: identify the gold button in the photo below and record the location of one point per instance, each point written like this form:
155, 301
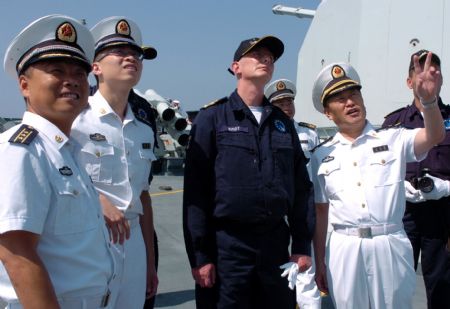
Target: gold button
363, 205
97, 153
355, 164
59, 139
383, 161
102, 111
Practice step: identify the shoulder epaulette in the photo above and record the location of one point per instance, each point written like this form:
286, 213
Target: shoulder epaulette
220, 101
320, 144
392, 126
24, 135
394, 112
307, 125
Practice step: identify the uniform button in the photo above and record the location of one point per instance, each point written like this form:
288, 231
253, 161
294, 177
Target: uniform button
128, 152
355, 164
383, 161
326, 171
102, 111
75, 192
59, 139
97, 153
363, 205
255, 161
358, 183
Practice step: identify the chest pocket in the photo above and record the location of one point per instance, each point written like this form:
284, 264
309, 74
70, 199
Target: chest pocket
237, 161
383, 170
98, 160
73, 212
283, 152
147, 154
332, 173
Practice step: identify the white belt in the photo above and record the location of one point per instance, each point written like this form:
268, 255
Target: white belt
366, 231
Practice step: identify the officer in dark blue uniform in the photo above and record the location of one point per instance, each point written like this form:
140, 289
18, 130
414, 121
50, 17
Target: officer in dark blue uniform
426, 218
245, 172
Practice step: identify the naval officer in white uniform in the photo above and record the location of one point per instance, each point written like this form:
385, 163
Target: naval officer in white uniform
281, 93
116, 149
54, 245
358, 177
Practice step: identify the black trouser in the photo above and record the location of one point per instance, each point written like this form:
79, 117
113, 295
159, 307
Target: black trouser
150, 303
248, 268
425, 225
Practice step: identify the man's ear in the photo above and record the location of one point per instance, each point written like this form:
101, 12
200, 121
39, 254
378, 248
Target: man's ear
235, 67
409, 82
24, 86
327, 113
96, 69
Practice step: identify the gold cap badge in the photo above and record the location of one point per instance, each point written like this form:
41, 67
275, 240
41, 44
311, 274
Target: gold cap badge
66, 33
337, 72
123, 27
281, 86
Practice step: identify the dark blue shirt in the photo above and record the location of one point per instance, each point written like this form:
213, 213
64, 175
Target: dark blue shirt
242, 173
438, 159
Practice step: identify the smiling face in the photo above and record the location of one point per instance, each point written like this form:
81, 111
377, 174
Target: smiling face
120, 66
57, 90
346, 109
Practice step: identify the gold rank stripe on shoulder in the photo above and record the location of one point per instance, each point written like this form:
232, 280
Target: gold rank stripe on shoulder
322, 143
25, 135
307, 125
223, 100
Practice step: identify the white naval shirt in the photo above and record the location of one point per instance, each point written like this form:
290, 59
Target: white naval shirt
363, 181
117, 155
43, 191
308, 138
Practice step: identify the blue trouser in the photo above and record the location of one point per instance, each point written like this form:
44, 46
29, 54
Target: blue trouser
425, 227
248, 267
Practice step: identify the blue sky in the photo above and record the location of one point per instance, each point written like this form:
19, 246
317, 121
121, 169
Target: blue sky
195, 40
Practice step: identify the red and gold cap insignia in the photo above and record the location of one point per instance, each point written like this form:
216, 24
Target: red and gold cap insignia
281, 86
123, 27
337, 72
66, 33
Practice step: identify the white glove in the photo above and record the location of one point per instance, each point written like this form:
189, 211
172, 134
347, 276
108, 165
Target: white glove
291, 271
413, 195
441, 189
308, 295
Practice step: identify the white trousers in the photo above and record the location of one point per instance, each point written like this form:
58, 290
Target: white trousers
130, 291
375, 273
87, 302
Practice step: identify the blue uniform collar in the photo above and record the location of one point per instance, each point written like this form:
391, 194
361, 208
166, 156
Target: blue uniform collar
238, 105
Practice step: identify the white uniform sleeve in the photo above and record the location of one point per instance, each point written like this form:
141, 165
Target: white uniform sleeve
408, 136
318, 181
24, 189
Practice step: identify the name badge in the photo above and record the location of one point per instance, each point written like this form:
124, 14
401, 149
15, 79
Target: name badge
97, 137
65, 171
380, 148
327, 159
234, 129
